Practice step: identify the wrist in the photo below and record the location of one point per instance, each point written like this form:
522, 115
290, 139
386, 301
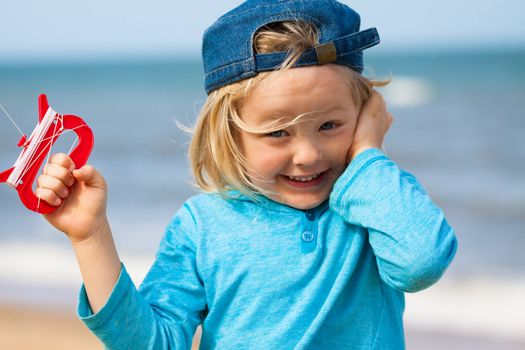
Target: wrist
96, 235
99, 264
355, 151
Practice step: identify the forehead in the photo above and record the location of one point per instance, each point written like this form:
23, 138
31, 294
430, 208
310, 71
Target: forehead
297, 91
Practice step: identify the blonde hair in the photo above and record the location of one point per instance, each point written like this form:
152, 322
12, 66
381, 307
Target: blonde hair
217, 161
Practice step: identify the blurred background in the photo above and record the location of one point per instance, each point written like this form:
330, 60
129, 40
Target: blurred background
132, 70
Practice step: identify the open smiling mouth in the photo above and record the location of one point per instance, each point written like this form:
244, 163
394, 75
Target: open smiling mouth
304, 181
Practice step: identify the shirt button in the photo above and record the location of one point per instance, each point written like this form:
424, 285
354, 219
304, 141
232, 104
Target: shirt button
310, 216
308, 236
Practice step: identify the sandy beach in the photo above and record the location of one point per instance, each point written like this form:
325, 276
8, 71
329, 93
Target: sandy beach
37, 328
25, 328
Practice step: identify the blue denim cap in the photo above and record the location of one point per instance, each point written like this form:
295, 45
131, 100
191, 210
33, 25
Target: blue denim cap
227, 47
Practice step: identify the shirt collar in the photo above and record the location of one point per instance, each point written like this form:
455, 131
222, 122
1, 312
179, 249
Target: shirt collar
270, 204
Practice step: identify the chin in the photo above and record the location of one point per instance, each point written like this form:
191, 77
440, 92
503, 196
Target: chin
305, 204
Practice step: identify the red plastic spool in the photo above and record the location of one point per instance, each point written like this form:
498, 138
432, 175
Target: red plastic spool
79, 155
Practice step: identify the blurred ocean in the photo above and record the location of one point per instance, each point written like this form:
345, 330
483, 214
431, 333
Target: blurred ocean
459, 127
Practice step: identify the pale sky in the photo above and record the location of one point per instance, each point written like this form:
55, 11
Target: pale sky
51, 29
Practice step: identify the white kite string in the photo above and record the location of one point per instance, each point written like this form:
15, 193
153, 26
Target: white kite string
27, 155
35, 158
12, 120
48, 154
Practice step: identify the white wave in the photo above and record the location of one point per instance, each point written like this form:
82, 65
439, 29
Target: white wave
407, 91
52, 265
482, 306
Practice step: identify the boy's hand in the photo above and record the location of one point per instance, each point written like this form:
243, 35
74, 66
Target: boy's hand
373, 122
80, 193
81, 215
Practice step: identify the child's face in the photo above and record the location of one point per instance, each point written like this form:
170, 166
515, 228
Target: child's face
300, 163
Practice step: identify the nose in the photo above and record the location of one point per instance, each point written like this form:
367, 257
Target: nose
306, 153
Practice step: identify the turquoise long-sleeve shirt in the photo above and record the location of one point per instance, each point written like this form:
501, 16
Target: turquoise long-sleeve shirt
262, 275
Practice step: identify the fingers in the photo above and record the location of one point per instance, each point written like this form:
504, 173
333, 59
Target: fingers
373, 123
56, 178
60, 175
63, 160
375, 103
376, 108
90, 177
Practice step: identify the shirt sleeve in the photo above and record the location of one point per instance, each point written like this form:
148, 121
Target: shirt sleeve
165, 311
408, 233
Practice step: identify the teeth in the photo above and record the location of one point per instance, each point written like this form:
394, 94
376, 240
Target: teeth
305, 178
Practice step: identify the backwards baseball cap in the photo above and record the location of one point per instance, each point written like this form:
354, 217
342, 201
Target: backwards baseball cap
228, 51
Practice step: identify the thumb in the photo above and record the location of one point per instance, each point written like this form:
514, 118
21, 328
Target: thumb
90, 176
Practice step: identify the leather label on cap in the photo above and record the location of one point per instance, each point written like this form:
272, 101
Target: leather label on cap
326, 53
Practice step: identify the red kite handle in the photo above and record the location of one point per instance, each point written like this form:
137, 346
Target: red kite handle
79, 154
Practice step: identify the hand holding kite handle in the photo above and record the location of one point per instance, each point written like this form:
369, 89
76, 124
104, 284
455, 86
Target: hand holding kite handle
51, 125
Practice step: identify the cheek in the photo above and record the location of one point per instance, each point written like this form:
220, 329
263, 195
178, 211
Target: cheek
338, 155
269, 161
262, 159
340, 144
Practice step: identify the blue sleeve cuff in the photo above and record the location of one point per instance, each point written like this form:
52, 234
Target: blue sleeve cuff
99, 320
362, 161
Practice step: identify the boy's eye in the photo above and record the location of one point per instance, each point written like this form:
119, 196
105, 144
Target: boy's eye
328, 126
277, 133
